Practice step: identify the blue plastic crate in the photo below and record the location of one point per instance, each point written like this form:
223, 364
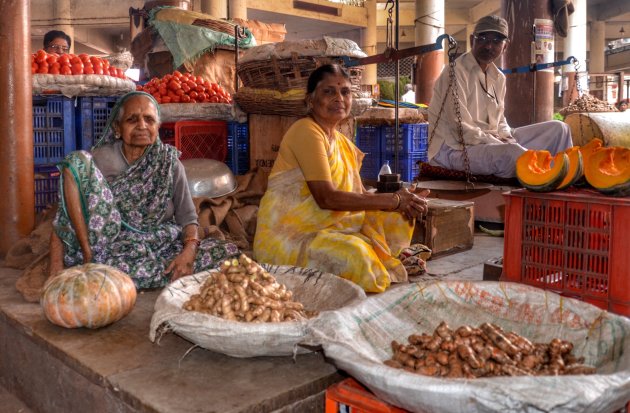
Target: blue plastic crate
368, 140
92, 115
53, 129
412, 138
238, 147
46, 186
408, 165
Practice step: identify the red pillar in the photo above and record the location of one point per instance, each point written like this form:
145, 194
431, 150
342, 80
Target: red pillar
529, 96
17, 208
428, 69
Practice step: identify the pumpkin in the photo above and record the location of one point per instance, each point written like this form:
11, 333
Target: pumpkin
593, 145
538, 170
90, 295
608, 171
576, 168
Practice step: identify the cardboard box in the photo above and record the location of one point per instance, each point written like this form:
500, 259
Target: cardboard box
448, 228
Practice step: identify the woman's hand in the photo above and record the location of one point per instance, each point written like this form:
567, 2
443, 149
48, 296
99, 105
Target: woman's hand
413, 204
182, 265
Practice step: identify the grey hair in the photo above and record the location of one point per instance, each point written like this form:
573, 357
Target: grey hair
121, 113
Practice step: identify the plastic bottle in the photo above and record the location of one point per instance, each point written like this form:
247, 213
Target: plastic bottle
385, 169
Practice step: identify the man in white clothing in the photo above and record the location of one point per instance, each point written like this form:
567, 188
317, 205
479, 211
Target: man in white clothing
410, 95
491, 145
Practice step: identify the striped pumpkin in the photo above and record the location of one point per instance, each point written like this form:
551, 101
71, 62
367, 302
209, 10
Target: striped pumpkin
90, 295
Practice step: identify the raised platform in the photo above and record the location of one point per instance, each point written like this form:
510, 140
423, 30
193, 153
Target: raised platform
118, 369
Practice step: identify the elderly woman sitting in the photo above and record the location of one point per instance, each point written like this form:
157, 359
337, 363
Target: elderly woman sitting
316, 212
127, 204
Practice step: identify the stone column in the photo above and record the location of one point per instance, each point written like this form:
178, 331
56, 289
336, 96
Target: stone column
238, 9
215, 8
368, 43
62, 12
529, 96
574, 46
17, 209
597, 47
429, 25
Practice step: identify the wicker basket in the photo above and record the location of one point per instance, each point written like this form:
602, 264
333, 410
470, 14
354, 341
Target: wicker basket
270, 102
292, 73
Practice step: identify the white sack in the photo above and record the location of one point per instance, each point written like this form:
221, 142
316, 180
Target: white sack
329, 46
316, 290
173, 112
81, 85
358, 340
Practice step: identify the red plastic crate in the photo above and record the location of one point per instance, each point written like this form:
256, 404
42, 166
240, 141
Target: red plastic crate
351, 397
202, 139
572, 243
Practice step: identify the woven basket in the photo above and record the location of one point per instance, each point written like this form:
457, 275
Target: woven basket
269, 103
293, 73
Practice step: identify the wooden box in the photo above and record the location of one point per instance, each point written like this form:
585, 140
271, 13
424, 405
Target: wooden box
448, 228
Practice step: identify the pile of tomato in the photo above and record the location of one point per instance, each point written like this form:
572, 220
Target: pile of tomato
70, 64
180, 87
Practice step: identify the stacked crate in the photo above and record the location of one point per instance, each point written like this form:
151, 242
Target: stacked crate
379, 145
53, 138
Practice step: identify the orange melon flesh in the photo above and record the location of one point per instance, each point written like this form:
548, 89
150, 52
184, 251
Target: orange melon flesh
576, 168
608, 168
540, 171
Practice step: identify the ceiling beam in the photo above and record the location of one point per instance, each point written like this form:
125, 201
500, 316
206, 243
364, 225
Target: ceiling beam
484, 8
609, 9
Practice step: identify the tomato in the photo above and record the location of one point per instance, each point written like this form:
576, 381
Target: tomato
192, 85
52, 58
120, 73
43, 68
166, 99
185, 87
179, 92
193, 94
214, 99
77, 68
64, 59
88, 69
199, 79
55, 66
112, 71
185, 99
156, 95
84, 58
34, 67
98, 70
176, 99
66, 70
177, 74
174, 85
40, 56
53, 70
75, 59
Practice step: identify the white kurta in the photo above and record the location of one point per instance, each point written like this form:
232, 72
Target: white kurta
482, 106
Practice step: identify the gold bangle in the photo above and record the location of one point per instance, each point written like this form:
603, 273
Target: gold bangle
397, 195
195, 240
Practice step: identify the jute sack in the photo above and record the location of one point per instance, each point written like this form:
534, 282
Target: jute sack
358, 339
316, 290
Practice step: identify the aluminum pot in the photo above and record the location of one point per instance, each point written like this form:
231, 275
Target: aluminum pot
209, 178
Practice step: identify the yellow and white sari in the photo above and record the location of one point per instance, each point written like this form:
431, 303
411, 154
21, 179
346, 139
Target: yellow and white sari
360, 246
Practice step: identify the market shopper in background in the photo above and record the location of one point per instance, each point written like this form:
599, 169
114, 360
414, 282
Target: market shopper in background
622, 106
56, 41
316, 212
127, 204
410, 95
491, 145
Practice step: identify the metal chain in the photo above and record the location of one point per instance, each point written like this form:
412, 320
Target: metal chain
452, 88
389, 30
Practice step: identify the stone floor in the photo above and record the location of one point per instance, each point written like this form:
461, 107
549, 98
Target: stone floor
45, 368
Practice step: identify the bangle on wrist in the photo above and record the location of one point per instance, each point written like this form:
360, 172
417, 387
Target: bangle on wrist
398, 199
192, 240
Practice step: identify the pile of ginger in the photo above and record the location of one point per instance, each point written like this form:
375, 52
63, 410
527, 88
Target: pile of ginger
485, 351
243, 291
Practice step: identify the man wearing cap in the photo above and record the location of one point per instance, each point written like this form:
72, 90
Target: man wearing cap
491, 145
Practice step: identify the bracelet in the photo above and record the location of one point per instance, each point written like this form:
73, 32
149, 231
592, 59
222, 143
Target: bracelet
195, 240
397, 195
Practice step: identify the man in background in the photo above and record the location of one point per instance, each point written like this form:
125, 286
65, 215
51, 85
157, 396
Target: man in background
492, 146
56, 41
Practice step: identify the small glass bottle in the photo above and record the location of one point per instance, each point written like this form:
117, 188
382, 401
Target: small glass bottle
385, 169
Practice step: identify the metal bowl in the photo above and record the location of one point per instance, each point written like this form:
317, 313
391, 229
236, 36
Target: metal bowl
209, 178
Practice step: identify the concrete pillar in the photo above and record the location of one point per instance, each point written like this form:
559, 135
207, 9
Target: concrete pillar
574, 46
62, 12
368, 43
215, 8
429, 25
529, 96
597, 47
17, 209
238, 9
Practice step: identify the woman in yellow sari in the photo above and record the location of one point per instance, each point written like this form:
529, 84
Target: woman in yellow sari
316, 212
